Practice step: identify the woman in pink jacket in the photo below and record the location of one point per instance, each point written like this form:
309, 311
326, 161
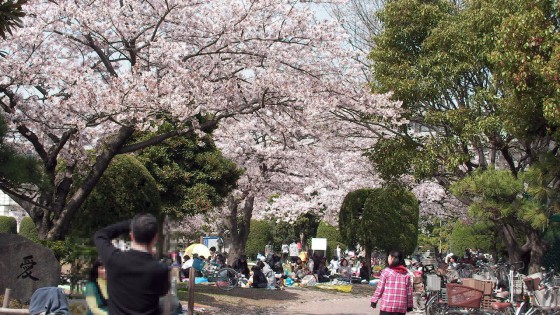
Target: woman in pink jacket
394, 289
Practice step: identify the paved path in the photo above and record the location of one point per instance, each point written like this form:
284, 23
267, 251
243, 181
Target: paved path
351, 305
354, 306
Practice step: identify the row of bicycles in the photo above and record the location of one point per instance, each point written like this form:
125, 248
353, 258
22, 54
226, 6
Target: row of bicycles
510, 293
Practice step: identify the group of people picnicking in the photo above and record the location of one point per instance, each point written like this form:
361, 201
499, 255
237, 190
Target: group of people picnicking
272, 270
134, 282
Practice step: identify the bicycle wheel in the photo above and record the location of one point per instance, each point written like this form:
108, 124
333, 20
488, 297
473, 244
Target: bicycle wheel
523, 309
226, 279
436, 308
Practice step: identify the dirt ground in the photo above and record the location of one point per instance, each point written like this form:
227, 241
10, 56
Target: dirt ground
246, 301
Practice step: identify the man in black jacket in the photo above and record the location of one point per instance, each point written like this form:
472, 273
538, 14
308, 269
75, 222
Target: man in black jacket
135, 279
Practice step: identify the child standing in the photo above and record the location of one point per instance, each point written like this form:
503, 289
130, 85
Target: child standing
394, 290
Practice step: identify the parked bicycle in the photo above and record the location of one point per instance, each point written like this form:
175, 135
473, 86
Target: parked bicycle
454, 298
225, 278
543, 297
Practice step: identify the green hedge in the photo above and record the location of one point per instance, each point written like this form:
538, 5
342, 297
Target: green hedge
259, 235
27, 229
8, 225
332, 235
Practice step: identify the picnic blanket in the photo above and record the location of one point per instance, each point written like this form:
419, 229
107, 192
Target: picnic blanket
337, 287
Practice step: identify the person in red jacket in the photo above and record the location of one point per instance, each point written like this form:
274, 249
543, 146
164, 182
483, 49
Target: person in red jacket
394, 289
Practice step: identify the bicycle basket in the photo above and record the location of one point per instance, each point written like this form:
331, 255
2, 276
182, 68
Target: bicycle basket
463, 296
433, 282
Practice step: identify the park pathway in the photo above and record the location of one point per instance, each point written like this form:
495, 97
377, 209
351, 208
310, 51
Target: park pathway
338, 306
291, 301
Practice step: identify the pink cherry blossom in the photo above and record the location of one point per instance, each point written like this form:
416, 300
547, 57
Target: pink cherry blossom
82, 76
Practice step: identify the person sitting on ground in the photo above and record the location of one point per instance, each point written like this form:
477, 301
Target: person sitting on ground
275, 263
240, 265
259, 279
333, 266
345, 269
364, 271
298, 264
268, 272
316, 261
187, 263
218, 261
135, 279
96, 289
322, 271
212, 253
303, 256
299, 270
310, 267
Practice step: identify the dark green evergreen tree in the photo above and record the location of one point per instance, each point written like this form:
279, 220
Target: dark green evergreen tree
192, 174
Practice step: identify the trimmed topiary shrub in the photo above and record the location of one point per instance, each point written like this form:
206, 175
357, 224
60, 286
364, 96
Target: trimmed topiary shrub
27, 229
332, 235
8, 225
259, 235
125, 189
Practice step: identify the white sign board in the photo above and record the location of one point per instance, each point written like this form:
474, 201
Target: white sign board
319, 244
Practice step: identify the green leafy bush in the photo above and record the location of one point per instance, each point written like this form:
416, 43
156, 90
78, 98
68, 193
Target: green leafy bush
27, 229
8, 225
472, 235
259, 235
332, 235
125, 189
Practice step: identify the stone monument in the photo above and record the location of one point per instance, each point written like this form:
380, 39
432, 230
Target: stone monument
26, 266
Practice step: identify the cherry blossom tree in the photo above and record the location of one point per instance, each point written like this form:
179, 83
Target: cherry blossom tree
309, 167
81, 77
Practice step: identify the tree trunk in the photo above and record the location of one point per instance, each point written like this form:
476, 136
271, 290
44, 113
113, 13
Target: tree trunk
239, 225
161, 250
368, 262
57, 206
536, 246
513, 248
531, 253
